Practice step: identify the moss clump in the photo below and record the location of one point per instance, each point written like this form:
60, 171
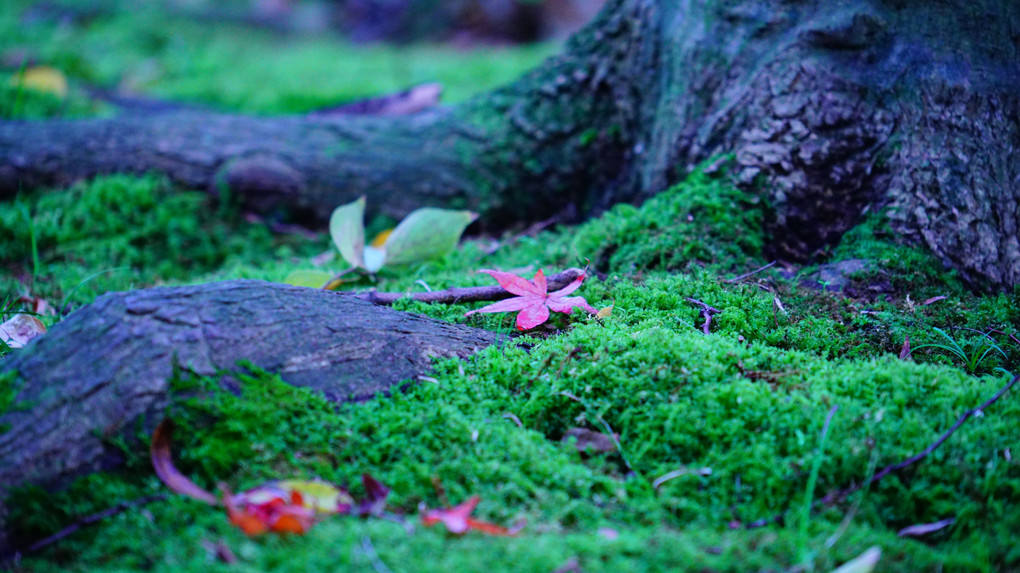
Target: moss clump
26, 103
702, 220
118, 232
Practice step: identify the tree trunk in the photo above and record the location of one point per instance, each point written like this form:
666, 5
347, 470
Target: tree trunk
831, 108
108, 363
908, 106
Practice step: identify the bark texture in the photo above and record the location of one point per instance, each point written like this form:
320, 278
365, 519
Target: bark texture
831, 109
108, 363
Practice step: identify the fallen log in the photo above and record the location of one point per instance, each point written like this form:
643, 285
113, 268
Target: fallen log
94, 374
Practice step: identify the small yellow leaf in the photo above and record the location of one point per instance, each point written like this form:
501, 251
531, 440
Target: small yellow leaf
42, 79
312, 278
605, 312
380, 239
321, 496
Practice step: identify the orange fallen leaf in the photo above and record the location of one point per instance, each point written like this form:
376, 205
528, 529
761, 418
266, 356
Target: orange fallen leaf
284, 506
268, 508
458, 520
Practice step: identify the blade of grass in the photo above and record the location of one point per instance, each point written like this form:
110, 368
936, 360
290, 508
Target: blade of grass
67, 299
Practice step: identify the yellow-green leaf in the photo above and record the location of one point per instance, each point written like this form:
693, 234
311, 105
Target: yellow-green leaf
426, 233
312, 278
42, 79
347, 228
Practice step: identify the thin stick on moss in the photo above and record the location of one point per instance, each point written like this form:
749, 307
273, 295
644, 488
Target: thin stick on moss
94, 518
465, 294
706, 311
739, 278
841, 494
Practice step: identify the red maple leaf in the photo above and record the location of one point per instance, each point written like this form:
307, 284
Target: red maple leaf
458, 520
533, 300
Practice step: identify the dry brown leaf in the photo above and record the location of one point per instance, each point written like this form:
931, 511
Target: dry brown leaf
905, 351
20, 329
589, 441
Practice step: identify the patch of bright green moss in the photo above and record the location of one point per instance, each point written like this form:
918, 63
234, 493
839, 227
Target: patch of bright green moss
915, 294
25, 103
121, 232
703, 220
746, 401
677, 398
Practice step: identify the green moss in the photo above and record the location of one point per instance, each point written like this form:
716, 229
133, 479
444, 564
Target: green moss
746, 401
9, 387
20, 103
145, 50
700, 221
120, 232
676, 397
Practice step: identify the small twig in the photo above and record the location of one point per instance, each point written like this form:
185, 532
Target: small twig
707, 312
513, 418
1011, 337
95, 517
373, 557
573, 352
465, 294
841, 494
739, 278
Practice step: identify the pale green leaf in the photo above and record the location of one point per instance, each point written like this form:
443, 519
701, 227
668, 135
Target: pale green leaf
375, 258
426, 233
308, 278
347, 228
863, 563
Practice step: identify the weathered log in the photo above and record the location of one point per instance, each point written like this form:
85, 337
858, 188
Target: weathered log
108, 363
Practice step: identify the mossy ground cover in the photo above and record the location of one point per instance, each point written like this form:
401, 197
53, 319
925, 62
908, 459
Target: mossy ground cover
746, 401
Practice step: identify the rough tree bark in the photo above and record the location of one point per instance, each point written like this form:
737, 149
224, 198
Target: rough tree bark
832, 108
107, 364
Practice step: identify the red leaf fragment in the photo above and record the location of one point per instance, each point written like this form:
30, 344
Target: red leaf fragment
533, 300
265, 509
375, 497
458, 520
285, 506
162, 462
